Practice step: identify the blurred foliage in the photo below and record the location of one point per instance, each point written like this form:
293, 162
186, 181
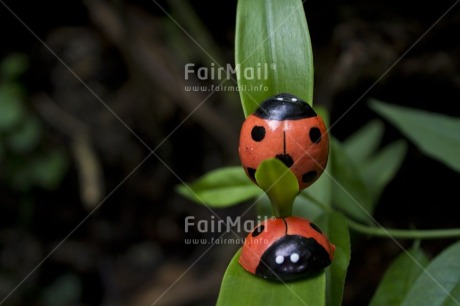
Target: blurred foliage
26, 160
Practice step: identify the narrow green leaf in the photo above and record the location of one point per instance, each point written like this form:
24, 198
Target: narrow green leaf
399, 278
350, 193
454, 293
279, 183
438, 284
272, 38
379, 169
221, 188
434, 134
334, 225
239, 287
364, 142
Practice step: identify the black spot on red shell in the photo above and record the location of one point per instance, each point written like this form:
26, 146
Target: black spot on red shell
286, 159
309, 176
258, 230
258, 133
315, 135
316, 228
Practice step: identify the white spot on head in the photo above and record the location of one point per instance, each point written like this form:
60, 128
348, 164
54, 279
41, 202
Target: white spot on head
279, 98
294, 257
279, 259
293, 99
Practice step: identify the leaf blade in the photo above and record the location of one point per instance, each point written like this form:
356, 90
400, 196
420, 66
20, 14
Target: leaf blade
221, 188
379, 169
277, 37
438, 285
335, 226
365, 141
434, 134
350, 194
399, 278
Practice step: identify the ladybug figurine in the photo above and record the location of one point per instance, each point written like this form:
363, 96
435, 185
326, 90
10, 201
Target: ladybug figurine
287, 128
286, 249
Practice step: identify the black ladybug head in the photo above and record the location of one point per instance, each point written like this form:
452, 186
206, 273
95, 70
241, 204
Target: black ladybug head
292, 257
284, 106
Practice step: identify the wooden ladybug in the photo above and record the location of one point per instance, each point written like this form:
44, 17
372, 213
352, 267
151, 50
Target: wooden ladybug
286, 249
287, 128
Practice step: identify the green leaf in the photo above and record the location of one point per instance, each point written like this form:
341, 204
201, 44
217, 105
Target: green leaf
221, 188
334, 225
350, 193
438, 284
379, 169
279, 183
399, 278
364, 142
434, 134
240, 287
272, 37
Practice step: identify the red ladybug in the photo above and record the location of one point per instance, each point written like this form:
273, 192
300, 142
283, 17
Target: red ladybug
287, 128
286, 249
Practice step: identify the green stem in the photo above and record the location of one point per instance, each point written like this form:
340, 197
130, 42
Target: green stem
282, 210
404, 234
280, 185
391, 232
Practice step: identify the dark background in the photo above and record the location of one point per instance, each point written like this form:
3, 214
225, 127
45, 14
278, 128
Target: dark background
125, 246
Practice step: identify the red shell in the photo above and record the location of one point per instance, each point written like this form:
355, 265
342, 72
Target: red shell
302, 144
